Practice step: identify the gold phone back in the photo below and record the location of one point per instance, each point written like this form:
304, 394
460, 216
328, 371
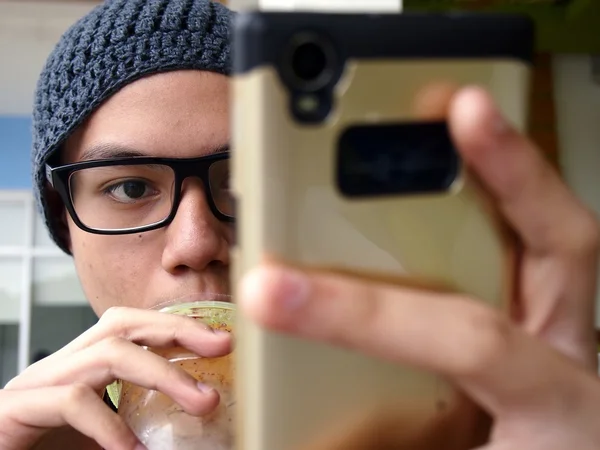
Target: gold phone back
290, 208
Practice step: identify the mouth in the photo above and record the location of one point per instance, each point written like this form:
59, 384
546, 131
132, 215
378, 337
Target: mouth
195, 297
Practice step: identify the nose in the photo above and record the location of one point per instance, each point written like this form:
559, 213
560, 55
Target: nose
195, 240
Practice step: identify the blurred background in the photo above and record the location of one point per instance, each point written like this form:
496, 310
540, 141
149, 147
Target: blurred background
42, 306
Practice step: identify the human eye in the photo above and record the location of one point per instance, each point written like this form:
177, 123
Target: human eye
129, 191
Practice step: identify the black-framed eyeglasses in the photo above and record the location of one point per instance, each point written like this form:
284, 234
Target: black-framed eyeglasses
134, 194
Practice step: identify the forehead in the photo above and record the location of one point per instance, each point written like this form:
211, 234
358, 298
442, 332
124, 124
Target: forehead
179, 114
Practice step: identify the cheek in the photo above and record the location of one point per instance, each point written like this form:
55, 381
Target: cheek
114, 270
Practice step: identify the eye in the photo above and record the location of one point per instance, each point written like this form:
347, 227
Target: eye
129, 191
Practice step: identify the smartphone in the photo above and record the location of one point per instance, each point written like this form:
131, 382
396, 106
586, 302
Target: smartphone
342, 160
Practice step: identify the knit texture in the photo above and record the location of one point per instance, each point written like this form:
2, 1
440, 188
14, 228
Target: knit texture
117, 43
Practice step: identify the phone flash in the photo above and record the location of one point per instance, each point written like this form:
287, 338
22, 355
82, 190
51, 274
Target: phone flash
307, 103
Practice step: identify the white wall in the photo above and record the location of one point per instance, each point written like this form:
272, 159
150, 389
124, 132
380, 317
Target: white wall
578, 116
28, 32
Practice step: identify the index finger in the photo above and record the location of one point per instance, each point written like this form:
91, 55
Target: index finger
560, 236
154, 329
530, 193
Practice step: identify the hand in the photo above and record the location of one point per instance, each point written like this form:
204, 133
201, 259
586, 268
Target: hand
534, 374
65, 388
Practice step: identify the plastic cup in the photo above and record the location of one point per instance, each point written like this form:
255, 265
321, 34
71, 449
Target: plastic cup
159, 422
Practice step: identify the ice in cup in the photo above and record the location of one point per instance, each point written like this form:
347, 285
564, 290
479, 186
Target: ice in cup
159, 422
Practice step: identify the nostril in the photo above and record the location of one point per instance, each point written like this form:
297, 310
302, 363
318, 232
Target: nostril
212, 265
180, 269
217, 264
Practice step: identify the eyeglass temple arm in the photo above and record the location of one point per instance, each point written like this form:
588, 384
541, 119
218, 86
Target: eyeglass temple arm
49, 175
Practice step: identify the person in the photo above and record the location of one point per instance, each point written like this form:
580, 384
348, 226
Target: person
139, 79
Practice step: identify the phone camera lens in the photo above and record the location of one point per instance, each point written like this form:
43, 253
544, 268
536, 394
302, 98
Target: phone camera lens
311, 62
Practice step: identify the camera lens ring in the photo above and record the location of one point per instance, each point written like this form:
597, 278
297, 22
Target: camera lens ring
310, 61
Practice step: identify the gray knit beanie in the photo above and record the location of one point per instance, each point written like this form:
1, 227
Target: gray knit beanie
117, 43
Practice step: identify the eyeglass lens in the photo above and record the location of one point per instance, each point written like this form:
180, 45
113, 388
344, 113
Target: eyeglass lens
120, 197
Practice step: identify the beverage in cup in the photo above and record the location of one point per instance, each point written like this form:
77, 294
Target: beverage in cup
159, 422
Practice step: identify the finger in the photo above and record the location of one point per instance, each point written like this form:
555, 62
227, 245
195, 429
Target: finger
115, 358
560, 235
154, 329
468, 342
431, 102
548, 217
75, 405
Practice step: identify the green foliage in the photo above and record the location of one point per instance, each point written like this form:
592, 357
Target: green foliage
563, 26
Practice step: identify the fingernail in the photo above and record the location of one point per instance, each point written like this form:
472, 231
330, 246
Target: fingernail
293, 289
204, 388
482, 104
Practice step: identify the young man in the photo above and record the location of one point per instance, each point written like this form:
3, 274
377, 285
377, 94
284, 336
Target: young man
148, 78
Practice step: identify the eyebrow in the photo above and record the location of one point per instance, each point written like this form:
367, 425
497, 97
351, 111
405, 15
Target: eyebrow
108, 151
